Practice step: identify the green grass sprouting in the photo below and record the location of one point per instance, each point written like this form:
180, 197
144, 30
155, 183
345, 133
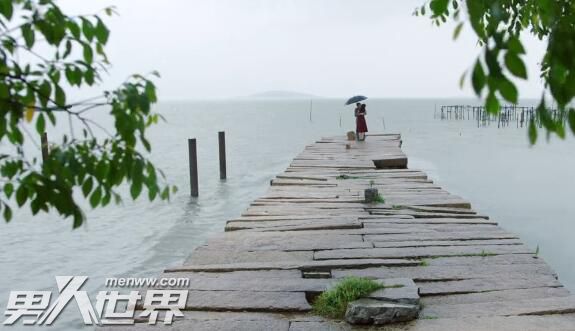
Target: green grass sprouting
333, 303
379, 199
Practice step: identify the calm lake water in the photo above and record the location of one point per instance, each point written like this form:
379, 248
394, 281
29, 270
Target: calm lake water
529, 190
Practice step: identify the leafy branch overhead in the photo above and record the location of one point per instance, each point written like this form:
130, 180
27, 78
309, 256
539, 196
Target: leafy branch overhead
498, 25
44, 53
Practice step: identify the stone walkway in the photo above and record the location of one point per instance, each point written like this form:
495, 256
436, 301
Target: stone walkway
313, 228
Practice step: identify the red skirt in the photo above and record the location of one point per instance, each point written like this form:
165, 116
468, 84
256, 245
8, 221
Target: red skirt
360, 124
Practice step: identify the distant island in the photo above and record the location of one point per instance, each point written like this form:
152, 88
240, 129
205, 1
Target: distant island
282, 95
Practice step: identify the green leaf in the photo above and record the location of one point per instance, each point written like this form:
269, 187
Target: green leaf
106, 199
457, 31
60, 96
152, 193
476, 11
96, 197
88, 53
45, 92
8, 190
87, 186
74, 29
571, 118
88, 29
532, 132
78, 218
478, 78
6, 8
70, 76
515, 45
102, 32
35, 206
68, 49
51, 117
41, 124
28, 34
560, 130
515, 65
462, 80
150, 90
89, 76
165, 195
102, 170
492, 104
438, 6
21, 195
508, 90
7, 213
136, 189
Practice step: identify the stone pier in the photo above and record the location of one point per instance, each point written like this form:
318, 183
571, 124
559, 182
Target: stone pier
312, 228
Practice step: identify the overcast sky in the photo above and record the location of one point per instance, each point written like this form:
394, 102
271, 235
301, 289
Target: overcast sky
334, 48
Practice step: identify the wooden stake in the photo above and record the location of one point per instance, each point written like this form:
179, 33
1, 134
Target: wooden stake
193, 167
222, 145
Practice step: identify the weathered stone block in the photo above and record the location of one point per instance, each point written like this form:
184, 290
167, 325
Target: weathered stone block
371, 195
371, 311
406, 294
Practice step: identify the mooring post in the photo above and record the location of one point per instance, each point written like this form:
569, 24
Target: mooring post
222, 143
45, 150
193, 167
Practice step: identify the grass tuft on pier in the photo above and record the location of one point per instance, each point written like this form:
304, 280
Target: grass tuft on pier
379, 199
333, 303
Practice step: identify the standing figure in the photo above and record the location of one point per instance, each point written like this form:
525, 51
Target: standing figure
355, 112
360, 123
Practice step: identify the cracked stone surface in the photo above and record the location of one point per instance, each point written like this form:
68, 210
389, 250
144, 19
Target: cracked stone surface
371, 311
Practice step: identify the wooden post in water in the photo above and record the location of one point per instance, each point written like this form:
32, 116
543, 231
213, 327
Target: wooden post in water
222, 144
45, 150
193, 167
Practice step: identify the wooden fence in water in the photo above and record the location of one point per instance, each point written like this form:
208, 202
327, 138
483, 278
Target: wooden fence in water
509, 114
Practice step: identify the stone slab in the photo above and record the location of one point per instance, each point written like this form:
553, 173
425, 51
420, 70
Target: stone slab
436, 235
545, 306
496, 283
301, 265
419, 252
408, 293
206, 255
427, 243
444, 273
247, 301
260, 281
370, 311
293, 241
493, 296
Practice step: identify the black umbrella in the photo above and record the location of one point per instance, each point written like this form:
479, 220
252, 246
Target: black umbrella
355, 99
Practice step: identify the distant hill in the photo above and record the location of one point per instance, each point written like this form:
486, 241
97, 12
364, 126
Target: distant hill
282, 95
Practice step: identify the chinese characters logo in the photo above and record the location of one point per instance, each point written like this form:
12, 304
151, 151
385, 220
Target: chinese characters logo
35, 307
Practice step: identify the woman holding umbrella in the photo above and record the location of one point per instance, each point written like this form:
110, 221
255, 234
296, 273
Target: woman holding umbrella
360, 112
360, 123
